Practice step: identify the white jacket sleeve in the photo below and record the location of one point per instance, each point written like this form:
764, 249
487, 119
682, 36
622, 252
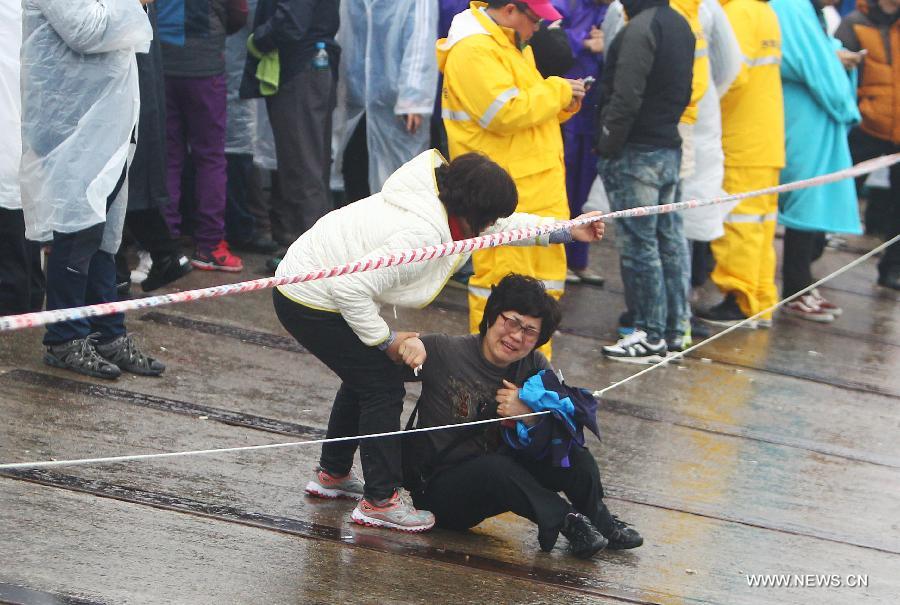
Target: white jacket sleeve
519, 220
725, 55
417, 85
89, 26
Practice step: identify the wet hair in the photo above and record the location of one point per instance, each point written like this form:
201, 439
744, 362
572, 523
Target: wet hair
525, 295
477, 189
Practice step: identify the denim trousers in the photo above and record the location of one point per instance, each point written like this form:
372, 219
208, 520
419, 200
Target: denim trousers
652, 249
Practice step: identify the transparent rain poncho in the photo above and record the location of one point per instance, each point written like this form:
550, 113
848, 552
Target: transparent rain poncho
80, 104
240, 131
389, 69
10, 104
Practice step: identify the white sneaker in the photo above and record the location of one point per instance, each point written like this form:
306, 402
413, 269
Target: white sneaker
140, 272
634, 348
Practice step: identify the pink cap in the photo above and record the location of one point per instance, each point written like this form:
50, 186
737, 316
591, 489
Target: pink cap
543, 9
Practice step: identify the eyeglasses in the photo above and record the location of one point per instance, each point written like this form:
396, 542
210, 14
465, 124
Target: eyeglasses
514, 324
523, 8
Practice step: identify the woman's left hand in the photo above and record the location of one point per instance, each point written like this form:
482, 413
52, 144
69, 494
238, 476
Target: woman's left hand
591, 232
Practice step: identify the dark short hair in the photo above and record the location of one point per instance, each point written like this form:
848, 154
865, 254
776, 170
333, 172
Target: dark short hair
525, 295
477, 189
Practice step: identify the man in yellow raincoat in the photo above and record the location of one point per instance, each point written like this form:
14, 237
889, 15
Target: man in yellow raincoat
496, 102
753, 141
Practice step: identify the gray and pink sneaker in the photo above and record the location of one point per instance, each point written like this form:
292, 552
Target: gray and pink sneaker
397, 512
324, 485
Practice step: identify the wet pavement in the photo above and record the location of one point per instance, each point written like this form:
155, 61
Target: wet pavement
766, 452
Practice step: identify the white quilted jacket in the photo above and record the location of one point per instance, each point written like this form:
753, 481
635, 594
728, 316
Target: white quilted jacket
405, 214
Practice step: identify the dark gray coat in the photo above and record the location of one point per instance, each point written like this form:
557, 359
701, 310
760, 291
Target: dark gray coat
147, 174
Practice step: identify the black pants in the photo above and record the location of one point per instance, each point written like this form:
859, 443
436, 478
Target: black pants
370, 399
466, 494
79, 273
300, 114
865, 147
21, 278
355, 165
243, 184
801, 248
149, 230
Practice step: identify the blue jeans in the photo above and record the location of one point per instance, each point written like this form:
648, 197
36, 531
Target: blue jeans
652, 249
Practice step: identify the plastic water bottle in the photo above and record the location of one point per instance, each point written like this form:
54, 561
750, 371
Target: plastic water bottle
320, 59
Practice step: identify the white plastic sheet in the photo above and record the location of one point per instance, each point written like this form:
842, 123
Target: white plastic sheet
10, 103
80, 104
389, 68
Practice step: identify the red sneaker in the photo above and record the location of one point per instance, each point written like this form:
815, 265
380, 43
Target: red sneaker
219, 259
825, 304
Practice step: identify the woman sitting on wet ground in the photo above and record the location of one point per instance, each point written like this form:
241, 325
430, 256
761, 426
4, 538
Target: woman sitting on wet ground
426, 202
467, 475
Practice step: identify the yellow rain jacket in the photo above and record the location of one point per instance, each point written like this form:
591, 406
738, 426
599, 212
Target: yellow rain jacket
753, 108
690, 10
494, 101
753, 142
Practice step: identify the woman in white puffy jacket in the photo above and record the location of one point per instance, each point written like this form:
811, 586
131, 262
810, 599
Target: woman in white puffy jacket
425, 202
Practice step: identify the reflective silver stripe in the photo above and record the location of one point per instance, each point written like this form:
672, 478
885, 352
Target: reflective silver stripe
751, 218
482, 292
701, 52
455, 116
549, 284
494, 108
770, 60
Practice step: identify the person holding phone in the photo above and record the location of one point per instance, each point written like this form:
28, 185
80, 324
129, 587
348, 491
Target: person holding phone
581, 21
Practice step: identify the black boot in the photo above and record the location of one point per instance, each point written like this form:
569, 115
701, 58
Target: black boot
584, 539
166, 270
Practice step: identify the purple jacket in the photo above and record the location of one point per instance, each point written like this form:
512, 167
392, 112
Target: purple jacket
578, 17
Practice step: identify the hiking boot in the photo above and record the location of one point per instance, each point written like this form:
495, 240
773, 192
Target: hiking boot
584, 539
165, 271
123, 352
806, 307
726, 313
219, 258
396, 512
80, 355
622, 536
635, 348
825, 304
325, 485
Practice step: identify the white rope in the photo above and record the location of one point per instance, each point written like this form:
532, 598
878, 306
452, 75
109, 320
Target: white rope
737, 326
247, 448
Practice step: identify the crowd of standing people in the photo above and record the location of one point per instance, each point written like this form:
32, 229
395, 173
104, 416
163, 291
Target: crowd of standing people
319, 132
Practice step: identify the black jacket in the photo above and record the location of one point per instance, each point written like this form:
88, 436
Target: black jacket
646, 81
147, 171
293, 27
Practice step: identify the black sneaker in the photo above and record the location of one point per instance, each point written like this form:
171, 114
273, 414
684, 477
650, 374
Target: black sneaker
584, 539
123, 352
165, 271
259, 244
889, 279
80, 355
726, 313
622, 536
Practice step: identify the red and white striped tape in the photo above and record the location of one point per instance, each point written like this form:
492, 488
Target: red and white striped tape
401, 257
